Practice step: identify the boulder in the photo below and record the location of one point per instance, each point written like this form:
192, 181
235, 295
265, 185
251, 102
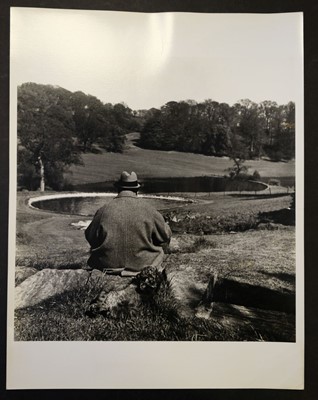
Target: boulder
174, 245
125, 296
195, 288
51, 282
22, 273
115, 302
278, 324
81, 225
186, 286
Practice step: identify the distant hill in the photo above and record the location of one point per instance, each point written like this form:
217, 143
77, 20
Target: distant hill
106, 166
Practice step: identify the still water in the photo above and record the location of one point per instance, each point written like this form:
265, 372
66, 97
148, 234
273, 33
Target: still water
87, 206
179, 185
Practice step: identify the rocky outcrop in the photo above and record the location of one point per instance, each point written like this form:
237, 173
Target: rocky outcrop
48, 283
186, 289
115, 302
22, 273
127, 295
192, 292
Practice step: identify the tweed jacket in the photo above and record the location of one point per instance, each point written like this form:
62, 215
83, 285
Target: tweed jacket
127, 233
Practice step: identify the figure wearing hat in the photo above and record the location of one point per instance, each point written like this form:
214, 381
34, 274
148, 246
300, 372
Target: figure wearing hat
127, 234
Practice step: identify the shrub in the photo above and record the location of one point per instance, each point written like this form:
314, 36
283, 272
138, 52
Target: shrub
256, 175
274, 182
293, 202
206, 225
276, 155
27, 175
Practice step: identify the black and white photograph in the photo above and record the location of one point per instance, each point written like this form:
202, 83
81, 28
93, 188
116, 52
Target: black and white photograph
156, 178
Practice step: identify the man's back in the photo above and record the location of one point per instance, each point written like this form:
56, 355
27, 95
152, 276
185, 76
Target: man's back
127, 233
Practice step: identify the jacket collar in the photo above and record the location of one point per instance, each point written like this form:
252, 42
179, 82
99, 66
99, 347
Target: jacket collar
126, 193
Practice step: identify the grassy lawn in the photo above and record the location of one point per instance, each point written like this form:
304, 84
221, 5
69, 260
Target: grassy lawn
154, 163
259, 256
229, 234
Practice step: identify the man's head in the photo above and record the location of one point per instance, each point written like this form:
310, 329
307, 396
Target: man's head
128, 182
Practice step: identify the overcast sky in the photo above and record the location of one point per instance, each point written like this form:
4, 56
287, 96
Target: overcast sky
146, 60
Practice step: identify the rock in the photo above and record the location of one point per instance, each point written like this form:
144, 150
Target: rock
51, 282
225, 290
127, 295
174, 245
116, 302
188, 295
81, 225
187, 288
22, 273
254, 319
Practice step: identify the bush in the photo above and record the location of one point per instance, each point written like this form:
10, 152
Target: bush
256, 175
274, 182
276, 155
28, 176
206, 225
293, 202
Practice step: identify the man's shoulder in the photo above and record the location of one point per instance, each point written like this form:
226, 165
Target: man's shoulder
138, 203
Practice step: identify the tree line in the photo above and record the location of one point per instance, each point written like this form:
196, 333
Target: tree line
55, 126
212, 128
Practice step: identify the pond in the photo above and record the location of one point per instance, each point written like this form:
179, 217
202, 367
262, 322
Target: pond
84, 204
179, 185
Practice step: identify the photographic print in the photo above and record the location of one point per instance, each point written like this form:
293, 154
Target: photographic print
153, 185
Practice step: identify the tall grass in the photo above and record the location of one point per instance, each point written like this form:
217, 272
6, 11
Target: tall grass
63, 318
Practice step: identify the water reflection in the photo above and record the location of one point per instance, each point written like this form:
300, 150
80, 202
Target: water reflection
87, 206
170, 185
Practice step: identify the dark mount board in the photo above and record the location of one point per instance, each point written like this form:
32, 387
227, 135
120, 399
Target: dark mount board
310, 9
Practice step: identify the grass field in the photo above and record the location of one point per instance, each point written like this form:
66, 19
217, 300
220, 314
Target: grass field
154, 163
241, 235
264, 257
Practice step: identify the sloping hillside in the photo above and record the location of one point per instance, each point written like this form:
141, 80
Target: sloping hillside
154, 163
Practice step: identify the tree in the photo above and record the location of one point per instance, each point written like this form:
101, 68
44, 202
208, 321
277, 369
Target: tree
45, 134
282, 132
287, 140
151, 133
209, 127
269, 112
125, 118
88, 115
238, 154
249, 126
99, 124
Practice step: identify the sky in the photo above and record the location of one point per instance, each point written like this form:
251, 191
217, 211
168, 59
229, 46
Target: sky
146, 60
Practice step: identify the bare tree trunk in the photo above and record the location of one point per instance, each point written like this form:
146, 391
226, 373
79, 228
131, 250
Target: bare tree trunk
42, 184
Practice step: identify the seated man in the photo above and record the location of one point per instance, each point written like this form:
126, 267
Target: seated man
126, 234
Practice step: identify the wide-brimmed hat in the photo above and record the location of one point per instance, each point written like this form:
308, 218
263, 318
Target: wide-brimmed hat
128, 181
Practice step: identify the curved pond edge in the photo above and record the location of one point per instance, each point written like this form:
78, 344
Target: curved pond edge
33, 200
